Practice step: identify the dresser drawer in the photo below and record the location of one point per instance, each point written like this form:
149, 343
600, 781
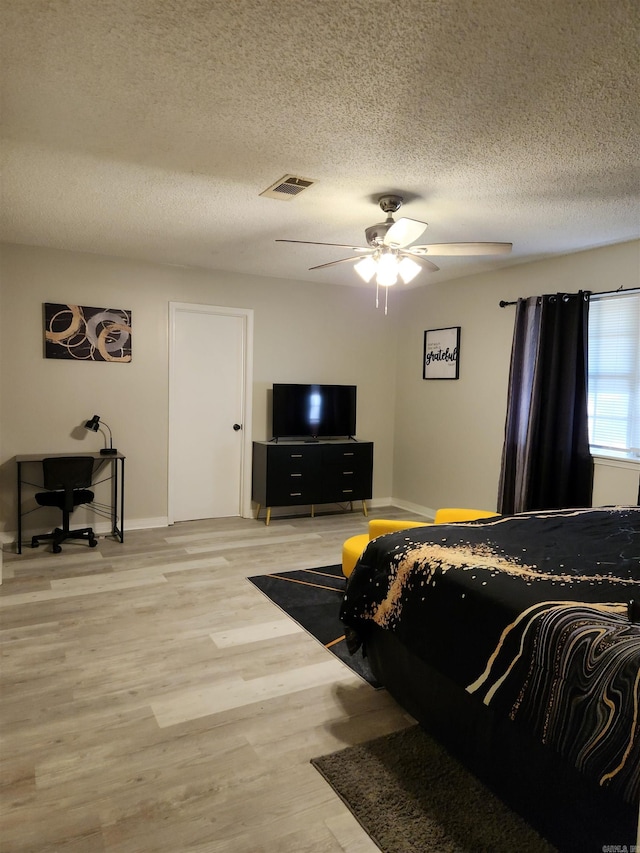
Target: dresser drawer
286, 474
302, 460
294, 486
344, 459
347, 472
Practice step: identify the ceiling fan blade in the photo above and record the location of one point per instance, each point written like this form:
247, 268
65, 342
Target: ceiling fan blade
337, 245
332, 263
421, 259
462, 249
403, 232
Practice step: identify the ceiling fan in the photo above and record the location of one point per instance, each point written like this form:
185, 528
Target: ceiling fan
389, 254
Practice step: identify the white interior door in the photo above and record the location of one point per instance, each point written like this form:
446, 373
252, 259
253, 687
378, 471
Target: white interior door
209, 376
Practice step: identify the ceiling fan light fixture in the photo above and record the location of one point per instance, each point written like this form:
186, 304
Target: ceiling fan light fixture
366, 268
387, 273
408, 269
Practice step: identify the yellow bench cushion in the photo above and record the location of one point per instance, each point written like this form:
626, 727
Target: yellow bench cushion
354, 546
380, 526
449, 515
351, 551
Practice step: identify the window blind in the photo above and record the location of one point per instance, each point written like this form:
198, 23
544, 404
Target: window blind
614, 374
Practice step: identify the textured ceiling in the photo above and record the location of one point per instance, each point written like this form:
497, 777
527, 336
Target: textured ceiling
148, 128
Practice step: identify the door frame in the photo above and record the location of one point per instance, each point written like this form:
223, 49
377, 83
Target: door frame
246, 315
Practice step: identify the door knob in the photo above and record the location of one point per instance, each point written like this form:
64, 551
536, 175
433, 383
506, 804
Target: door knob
237, 427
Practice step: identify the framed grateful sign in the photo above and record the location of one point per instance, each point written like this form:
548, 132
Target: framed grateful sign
441, 353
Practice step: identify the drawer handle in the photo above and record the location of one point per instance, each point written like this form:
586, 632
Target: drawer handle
295, 475
347, 491
295, 455
349, 454
295, 494
347, 472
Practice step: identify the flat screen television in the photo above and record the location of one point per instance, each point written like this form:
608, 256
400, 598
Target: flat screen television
314, 411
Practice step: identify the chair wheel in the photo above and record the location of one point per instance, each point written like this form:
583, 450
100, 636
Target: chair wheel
57, 549
93, 543
34, 542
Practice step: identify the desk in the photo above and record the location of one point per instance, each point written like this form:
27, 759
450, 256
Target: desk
117, 490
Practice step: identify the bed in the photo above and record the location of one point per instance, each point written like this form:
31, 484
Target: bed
516, 640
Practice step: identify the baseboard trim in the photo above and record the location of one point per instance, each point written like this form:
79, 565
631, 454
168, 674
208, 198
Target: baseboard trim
427, 511
102, 528
143, 523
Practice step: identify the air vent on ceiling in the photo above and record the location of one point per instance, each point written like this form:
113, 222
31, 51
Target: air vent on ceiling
287, 187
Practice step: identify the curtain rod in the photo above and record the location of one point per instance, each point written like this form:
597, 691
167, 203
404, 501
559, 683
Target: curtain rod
621, 289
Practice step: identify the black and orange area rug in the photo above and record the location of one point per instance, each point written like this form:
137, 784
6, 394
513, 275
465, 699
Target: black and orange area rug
312, 598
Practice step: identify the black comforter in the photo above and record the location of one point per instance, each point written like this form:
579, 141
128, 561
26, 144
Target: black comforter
535, 614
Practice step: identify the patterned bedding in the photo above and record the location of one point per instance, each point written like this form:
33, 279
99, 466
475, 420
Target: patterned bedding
537, 615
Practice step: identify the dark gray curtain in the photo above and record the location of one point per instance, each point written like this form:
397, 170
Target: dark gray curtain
546, 462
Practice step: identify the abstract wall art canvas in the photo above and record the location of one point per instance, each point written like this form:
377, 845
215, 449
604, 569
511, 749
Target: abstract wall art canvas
87, 334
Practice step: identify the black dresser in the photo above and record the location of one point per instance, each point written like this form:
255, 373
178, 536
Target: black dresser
296, 473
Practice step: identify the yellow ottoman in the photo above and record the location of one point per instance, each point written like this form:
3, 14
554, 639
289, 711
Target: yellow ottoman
353, 547
351, 550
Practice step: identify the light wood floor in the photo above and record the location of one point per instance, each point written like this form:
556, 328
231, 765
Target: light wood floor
152, 699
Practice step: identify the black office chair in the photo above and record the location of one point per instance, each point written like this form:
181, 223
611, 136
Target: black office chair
66, 478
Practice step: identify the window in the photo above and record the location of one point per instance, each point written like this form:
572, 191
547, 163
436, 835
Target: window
614, 375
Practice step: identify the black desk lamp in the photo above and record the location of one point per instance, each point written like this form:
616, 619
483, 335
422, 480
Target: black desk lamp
94, 425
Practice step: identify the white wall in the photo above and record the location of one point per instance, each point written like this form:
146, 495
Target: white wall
437, 443
449, 433
616, 482
303, 333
